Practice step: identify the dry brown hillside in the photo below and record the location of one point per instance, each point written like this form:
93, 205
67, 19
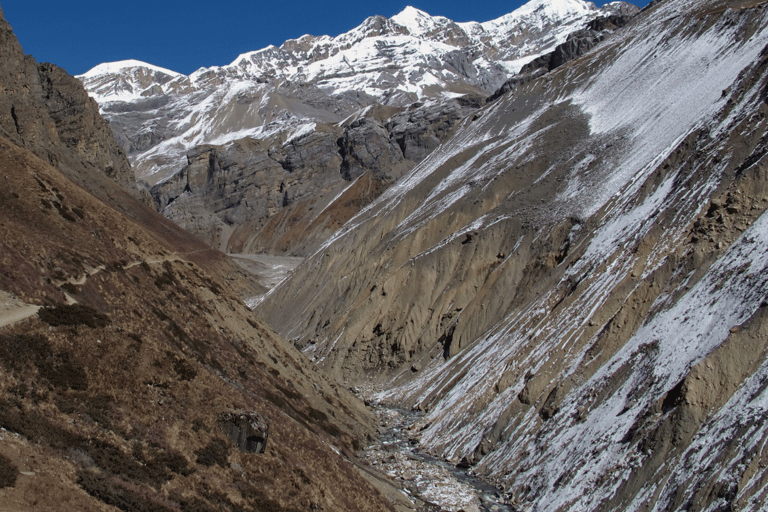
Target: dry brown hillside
115, 400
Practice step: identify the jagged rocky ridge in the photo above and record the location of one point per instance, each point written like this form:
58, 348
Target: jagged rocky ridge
573, 286
353, 98
132, 377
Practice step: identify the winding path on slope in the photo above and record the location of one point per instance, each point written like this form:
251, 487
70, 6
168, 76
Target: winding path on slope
13, 310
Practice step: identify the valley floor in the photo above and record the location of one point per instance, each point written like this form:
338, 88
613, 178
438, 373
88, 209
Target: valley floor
430, 483
411, 480
269, 270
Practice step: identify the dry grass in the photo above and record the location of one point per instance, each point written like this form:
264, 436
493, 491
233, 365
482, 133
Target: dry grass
8, 472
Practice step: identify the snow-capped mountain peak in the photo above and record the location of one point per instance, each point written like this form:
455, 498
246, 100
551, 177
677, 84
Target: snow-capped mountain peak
539, 14
122, 65
417, 21
396, 61
555, 8
126, 80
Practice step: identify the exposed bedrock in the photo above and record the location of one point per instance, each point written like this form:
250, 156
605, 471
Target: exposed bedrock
287, 194
47, 111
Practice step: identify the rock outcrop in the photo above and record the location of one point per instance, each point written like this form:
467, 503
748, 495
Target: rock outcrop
577, 44
249, 430
288, 193
47, 111
365, 146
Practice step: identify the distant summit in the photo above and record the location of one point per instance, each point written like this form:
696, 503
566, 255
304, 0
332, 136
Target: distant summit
116, 67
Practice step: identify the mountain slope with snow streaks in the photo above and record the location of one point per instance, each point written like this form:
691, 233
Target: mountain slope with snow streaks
573, 287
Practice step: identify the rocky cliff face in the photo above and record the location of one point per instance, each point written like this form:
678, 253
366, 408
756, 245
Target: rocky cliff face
571, 285
289, 193
47, 111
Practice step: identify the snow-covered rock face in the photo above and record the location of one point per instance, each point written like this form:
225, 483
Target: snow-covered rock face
158, 114
573, 287
125, 80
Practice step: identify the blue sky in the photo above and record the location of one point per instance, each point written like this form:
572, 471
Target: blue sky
186, 35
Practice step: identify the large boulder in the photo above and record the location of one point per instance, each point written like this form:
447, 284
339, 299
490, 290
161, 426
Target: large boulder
247, 429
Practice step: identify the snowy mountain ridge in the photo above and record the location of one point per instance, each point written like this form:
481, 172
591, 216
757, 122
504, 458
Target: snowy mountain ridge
410, 57
116, 67
437, 34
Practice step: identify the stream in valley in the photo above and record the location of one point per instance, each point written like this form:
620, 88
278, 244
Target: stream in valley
438, 483
432, 484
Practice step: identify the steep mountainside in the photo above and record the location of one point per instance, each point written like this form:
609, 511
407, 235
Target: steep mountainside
352, 100
573, 286
47, 111
118, 400
131, 375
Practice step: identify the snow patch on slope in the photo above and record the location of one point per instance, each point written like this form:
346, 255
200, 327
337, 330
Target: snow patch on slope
699, 322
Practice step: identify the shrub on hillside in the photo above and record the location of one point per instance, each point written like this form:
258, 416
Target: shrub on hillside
8, 472
75, 314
